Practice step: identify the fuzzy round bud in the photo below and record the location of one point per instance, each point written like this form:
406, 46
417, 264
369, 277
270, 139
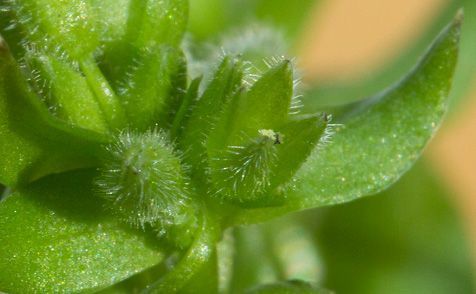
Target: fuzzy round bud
144, 183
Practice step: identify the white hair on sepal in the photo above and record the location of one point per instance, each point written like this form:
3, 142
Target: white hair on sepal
329, 132
6, 7
23, 19
274, 61
251, 74
41, 85
211, 69
12, 25
296, 100
242, 173
127, 83
298, 88
296, 104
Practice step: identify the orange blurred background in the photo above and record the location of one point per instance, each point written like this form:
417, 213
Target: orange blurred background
347, 38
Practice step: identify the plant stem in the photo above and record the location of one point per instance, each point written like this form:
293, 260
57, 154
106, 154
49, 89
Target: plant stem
201, 250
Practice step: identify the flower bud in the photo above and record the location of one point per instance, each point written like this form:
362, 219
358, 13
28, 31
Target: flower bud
144, 183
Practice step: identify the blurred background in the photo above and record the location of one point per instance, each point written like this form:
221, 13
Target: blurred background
420, 235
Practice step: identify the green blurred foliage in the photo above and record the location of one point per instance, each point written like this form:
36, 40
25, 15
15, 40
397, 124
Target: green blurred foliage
211, 17
408, 239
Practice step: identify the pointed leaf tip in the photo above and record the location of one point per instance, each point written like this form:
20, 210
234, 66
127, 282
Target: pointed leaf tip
382, 140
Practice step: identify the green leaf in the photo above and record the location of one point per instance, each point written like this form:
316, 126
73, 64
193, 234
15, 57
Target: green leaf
138, 282
78, 27
408, 239
33, 143
126, 47
384, 135
380, 140
112, 19
56, 237
243, 148
267, 104
225, 83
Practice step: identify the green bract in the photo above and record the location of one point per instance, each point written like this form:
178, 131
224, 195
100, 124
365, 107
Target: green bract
119, 158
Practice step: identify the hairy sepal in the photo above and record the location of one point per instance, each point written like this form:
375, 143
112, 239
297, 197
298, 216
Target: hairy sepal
203, 116
147, 88
243, 147
78, 28
242, 174
265, 106
64, 90
256, 174
145, 63
34, 142
379, 140
67, 28
136, 49
144, 183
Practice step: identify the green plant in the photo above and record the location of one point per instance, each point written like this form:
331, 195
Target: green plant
124, 167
